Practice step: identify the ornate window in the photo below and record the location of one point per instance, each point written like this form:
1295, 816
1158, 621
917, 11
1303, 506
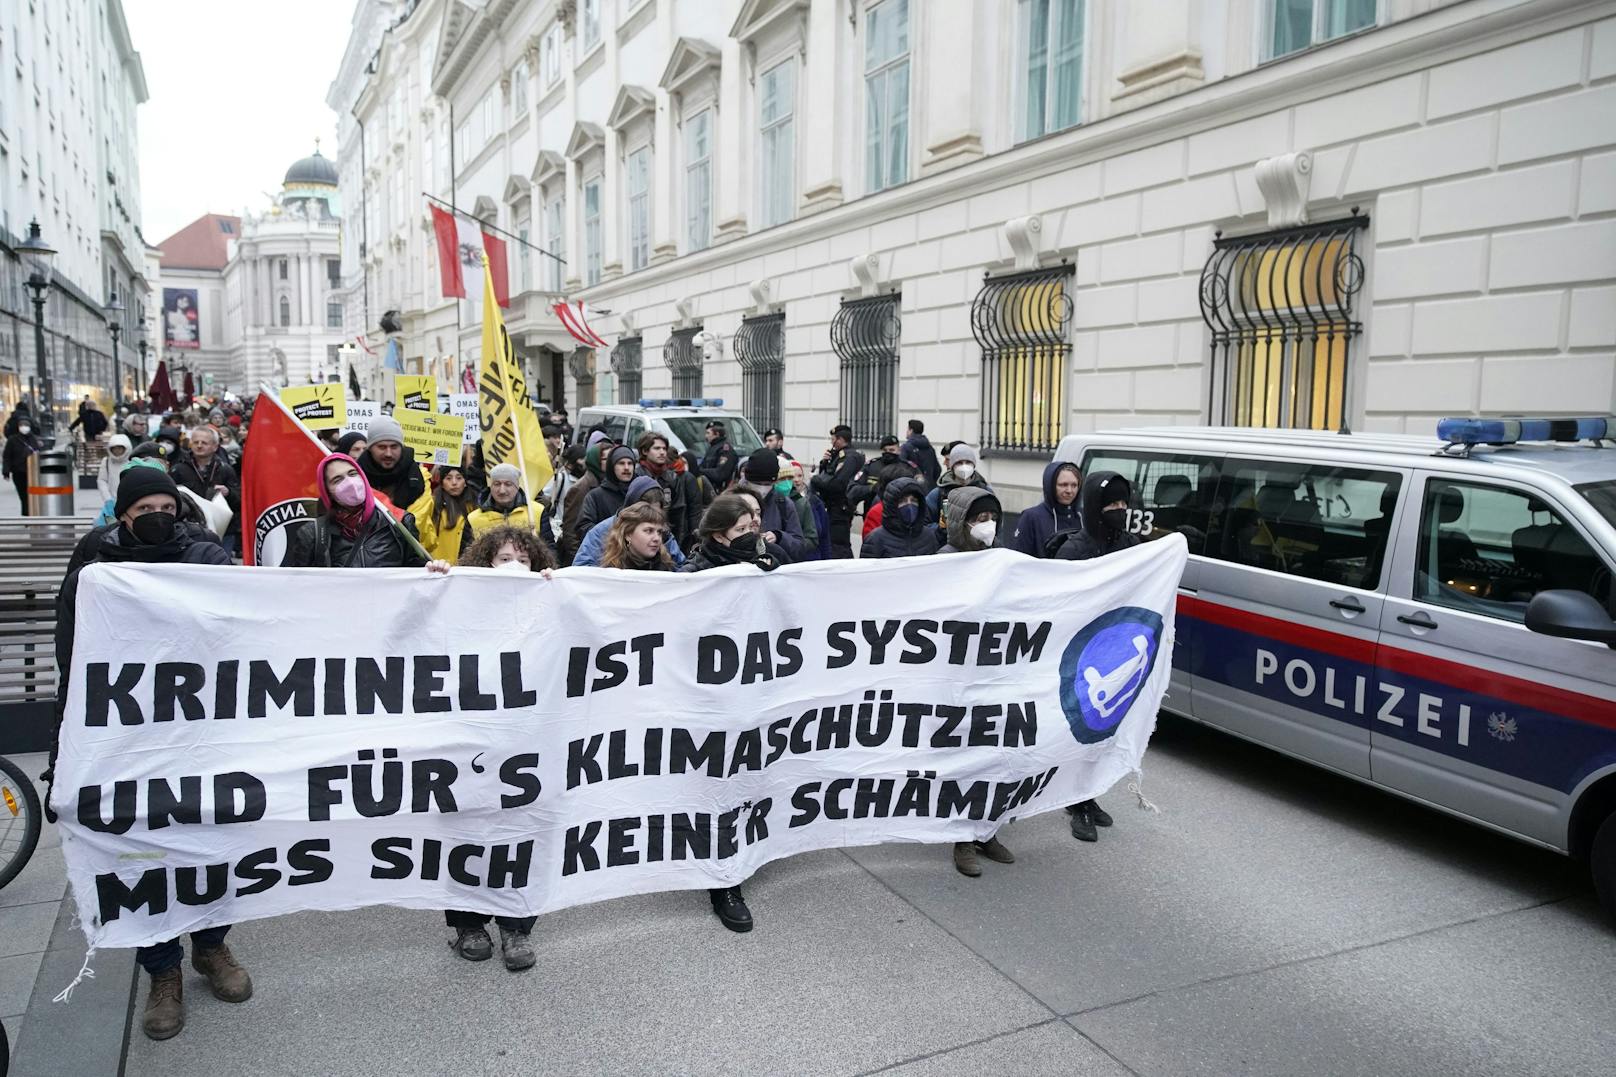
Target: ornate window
627, 361
683, 355
865, 335
1020, 320
760, 348
1280, 307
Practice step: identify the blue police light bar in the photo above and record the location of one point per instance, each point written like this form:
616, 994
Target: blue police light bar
1464, 431
681, 402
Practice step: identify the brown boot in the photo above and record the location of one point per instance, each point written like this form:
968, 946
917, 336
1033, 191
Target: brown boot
228, 979
965, 861
165, 1005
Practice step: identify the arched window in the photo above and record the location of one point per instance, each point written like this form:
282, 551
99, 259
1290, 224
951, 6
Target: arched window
286, 312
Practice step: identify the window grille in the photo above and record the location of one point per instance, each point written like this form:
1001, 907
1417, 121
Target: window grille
683, 354
1020, 320
581, 365
865, 335
627, 360
760, 348
1280, 307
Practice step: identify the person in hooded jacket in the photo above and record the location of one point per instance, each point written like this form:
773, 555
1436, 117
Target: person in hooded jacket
148, 532
1057, 514
572, 505
917, 450
964, 469
352, 444
442, 512
351, 530
778, 522
505, 504
901, 534
389, 464
117, 458
605, 500
644, 490
1105, 499
21, 443
659, 462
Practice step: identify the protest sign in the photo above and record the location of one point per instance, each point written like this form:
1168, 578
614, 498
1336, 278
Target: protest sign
318, 407
465, 406
417, 392
435, 438
541, 744
360, 413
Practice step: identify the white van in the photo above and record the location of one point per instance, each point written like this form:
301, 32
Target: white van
683, 422
1432, 616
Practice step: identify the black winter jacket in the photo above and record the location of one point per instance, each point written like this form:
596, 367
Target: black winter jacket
918, 451
1094, 538
1041, 523
403, 483
321, 544
605, 500
894, 538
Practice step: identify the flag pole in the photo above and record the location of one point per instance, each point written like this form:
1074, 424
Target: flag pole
505, 379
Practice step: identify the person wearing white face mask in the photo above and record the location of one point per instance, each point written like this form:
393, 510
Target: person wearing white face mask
963, 470
117, 458
21, 443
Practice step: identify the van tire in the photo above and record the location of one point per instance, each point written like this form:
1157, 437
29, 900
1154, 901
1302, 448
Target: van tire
1602, 861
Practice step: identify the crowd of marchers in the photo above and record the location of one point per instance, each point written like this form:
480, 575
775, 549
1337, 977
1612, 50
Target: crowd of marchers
167, 481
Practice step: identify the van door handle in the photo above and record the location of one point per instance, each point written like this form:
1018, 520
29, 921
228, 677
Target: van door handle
1349, 604
1420, 619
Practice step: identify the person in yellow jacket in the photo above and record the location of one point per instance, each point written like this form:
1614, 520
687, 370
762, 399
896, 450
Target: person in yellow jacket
441, 514
504, 504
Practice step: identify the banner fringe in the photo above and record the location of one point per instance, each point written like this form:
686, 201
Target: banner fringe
1135, 784
85, 973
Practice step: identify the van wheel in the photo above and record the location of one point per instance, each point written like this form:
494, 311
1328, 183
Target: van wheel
1602, 860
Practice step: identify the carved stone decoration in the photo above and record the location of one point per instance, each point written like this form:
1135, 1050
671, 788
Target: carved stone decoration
1284, 182
626, 320
867, 273
567, 13
686, 313
761, 304
1025, 235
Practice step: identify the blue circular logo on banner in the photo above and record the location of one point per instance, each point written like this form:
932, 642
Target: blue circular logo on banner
1104, 667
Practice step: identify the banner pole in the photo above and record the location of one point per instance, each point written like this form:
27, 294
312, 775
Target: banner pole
504, 345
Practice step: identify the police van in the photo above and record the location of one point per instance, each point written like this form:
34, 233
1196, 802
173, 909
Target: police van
1430, 616
682, 421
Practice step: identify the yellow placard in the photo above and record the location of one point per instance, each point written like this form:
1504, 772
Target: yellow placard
435, 438
417, 392
318, 407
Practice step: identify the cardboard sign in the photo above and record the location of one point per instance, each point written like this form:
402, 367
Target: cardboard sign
435, 438
318, 407
360, 414
465, 406
417, 392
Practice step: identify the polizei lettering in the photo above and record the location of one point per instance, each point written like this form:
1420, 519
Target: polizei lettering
1354, 693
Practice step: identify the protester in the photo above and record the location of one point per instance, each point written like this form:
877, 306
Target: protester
351, 530
170, 439
572, 507
21, 443
868, 488
91, 418
697, 493
975, 520
389, 465
729, 537
643, 490
657, 461
136, 426
117, 458
22, 413
1058, 513
202, 472
352, 444
505, 504
778, 522
501, 546
1104, 502
917, 450
147, 532
440, 514
837, 469
558, 418
963, 470
605, 499
815, 520
569, 469
718, 466
901, 534
635, 539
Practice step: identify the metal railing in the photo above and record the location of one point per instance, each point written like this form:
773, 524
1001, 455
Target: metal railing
628, 361
1020, 320
865, 334
684, 359
760, 348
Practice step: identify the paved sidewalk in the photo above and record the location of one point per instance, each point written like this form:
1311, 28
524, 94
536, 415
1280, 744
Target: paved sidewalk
28, 909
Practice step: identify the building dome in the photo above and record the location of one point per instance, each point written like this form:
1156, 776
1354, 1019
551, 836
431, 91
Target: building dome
314, 170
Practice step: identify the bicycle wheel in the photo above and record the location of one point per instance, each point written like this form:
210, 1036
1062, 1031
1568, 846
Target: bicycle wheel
20, 820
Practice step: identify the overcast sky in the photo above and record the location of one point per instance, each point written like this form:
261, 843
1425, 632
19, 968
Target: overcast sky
237, 94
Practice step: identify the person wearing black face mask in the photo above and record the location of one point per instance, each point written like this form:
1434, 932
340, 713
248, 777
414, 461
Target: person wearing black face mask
148, 532
901, 534
21, 443
1104, 500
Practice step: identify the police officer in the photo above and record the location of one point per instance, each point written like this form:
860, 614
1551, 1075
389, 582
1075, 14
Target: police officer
838, 468
718, 466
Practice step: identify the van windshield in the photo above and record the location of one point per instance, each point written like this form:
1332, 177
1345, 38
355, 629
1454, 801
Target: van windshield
1602, 496
691, 431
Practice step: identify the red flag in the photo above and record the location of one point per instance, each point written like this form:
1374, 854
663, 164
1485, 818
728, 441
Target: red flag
190, 388
162, 390
461, 244
498, 269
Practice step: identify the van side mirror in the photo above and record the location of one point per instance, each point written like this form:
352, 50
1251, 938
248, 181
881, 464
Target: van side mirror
1572, 615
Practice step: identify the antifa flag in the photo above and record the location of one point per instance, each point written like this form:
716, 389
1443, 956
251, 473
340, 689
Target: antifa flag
162, 391
278, 496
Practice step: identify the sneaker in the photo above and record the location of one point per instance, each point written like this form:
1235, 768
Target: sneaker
224, 973
995, 851
518, 951
1083, 822
731, 909
165, 1005
1101, 816
473, 944
965, 861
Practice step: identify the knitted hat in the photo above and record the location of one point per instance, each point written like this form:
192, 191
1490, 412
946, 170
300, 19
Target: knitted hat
961, 454
762, 467
139, 482
383, 428
504, 473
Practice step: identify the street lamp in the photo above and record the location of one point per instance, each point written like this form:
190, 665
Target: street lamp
140, 330
37, 255
114, 311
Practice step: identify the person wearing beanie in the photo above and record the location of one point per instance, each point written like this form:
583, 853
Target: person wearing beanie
505, 504
170, 439
644, 490
147, 531
964, 469
572, 505
351, 530
389, 465
778, 521
606, 500
352, 444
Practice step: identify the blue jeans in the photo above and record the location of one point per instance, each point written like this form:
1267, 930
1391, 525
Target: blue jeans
170, 954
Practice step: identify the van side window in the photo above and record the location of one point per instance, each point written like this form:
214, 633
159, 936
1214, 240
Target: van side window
1171, 493
1325, 523
1489, 549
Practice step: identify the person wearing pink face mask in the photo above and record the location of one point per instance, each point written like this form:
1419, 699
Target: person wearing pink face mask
351, 530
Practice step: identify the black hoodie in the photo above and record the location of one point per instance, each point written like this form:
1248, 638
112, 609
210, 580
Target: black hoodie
1094, 538
606, 500
894, 538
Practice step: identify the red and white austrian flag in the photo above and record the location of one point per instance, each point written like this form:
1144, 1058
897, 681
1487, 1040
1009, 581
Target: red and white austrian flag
461, 244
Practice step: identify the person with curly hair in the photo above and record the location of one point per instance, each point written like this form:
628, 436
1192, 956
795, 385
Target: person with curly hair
499, 547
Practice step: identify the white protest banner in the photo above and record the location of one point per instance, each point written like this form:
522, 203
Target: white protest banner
519, 745
360, 413
465, 406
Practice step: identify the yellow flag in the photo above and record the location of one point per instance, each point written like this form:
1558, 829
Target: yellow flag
511, 431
